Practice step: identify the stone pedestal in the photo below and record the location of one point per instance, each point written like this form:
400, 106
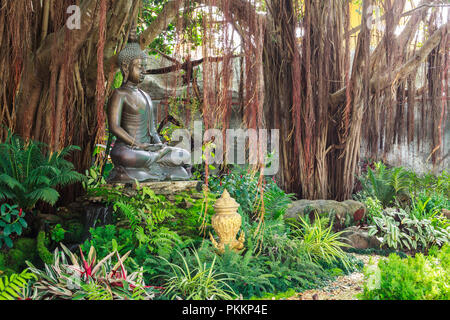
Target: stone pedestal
167, 188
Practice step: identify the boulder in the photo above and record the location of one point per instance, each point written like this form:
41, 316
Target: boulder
344, 213
446, 213
359, 239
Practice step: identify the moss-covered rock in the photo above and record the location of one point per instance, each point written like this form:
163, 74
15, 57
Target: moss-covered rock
45, 255
24, 249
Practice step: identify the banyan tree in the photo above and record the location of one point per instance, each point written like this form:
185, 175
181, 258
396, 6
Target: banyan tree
328, 74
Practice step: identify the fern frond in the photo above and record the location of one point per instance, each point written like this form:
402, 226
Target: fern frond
11, 288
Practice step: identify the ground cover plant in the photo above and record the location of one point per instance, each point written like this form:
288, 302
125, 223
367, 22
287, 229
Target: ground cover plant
412, 278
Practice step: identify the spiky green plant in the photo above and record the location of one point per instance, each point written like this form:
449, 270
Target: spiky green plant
199, 283
29, 173
320, 243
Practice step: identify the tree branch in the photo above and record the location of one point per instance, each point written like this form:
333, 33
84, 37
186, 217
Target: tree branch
56, 41
160, 24
385, 80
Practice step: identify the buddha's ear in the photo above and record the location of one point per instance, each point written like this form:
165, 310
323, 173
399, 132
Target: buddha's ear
125, 71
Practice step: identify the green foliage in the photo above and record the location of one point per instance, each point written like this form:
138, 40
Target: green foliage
431, 184
385, 184
45, 255
374, 209
244, 187
94, 179
11, 287
29, 174
319, 243
12, 221
278, 296
57, 233
278, 267
165, 42
13, 260
375, 251
158, 223
198, 283
418, 278
428, 206
109, 238
401, 230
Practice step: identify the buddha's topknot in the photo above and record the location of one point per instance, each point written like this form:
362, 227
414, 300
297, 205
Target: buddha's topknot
132, 49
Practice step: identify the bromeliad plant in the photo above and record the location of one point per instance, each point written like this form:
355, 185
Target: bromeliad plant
29, 173
71, 277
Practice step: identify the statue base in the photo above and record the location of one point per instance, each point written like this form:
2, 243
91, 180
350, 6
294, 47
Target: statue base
120, 174
166, 188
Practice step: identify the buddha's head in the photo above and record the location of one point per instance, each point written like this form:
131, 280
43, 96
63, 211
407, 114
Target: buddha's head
132, 60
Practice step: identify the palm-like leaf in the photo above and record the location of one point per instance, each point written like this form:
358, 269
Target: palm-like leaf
29, 173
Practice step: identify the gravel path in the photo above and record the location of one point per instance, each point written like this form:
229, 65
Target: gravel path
343, 288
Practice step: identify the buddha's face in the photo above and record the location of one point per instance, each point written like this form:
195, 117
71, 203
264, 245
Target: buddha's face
136, 72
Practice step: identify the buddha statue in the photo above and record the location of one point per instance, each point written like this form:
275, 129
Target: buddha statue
138, 153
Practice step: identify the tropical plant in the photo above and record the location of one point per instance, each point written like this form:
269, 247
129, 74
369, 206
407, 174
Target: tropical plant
11, 288
386, 184
29, 174
71, 277
426, 206
399, 230
57, 233
246, 188
199, 283
276, 201
319, 243
374, 208
12, 220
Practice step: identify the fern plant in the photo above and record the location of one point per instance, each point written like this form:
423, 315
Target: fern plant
11, 287
385, 184
29, 174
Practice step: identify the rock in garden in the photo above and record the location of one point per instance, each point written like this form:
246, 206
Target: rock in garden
359, 239
343, 214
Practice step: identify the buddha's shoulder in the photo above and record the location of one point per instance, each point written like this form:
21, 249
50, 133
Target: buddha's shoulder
121, 92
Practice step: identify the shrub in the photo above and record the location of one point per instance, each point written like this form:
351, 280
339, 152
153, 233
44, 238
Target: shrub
399, 230
243, 185
12, 221
418, 278
385, 184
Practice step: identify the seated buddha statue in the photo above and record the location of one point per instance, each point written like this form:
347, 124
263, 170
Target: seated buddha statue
138, 153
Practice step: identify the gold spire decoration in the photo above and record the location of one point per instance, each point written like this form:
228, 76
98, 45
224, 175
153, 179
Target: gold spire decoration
227, 223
